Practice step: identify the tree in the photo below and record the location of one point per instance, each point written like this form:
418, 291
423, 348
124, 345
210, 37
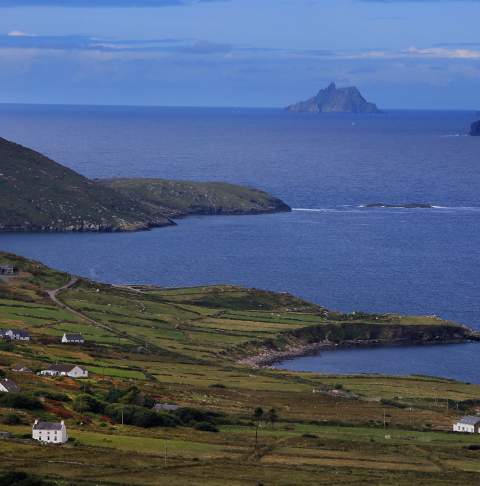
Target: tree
272, 417
257, 417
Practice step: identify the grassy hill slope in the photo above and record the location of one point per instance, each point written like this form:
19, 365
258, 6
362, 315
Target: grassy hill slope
38, 194
181, 198
182, 346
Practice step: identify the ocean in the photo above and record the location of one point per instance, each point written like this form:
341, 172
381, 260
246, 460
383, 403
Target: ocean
331, 249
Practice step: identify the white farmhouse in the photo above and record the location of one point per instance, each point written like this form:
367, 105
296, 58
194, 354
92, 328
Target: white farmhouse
8, 386
469, 424
73, 339
72, 371
17, 335
51, 432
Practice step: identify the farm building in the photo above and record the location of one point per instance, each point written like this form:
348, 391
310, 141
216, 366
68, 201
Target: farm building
15, 334
51, 432
72, 371
72, 339
8, 269
165, 407
469, 424
21, 369
8, 386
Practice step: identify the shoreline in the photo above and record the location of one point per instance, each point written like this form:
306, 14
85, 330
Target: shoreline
269, 358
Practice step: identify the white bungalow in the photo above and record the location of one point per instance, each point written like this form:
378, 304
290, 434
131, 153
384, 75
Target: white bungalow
72, 371
8, 386
17, 335
50, 432
72, 339
469, 424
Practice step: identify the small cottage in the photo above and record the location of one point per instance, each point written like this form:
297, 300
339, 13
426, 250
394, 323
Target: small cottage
17, 335
469, 424
72, 371
21, 369
50, 432
72, 339
165, 407
7, 269
8, 386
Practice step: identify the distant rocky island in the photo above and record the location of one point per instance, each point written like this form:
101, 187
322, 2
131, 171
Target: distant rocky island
335, 100
475, 129
38, 194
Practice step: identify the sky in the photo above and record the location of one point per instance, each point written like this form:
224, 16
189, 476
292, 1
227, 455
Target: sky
246, 53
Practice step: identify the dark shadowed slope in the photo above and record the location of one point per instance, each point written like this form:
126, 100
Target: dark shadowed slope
38, 194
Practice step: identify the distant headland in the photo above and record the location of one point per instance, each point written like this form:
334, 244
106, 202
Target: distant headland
335, 100
38, 194
475, 129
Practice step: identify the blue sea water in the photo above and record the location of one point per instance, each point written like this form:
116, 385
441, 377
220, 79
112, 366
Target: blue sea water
329, 250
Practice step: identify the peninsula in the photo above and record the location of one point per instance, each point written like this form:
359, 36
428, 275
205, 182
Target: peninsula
38, 194
335, 100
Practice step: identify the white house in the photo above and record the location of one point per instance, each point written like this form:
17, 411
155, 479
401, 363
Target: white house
17, 334
72, 339
51, 432
8, 386
73, 371
469, 424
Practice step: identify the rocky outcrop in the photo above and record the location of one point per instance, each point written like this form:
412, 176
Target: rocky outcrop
335, 100
475, 129
311, 340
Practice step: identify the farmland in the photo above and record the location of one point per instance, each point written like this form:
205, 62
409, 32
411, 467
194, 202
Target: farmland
186, 347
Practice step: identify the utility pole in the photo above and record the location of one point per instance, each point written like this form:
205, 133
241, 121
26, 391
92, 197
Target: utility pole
384, 419
165, 454
122, 416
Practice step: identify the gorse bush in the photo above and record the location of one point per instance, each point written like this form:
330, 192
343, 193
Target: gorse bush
19, 400
87, 403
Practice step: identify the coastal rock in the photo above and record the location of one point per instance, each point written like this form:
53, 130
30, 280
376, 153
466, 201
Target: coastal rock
475, 129
405, 205
335, 100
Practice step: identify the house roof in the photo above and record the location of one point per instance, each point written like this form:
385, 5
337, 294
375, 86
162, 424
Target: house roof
20, 332
10, 385
65, 368
469, 420
47, 425
165, 406
73, 337
21, 368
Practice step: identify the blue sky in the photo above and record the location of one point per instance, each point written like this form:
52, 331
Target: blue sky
400, 53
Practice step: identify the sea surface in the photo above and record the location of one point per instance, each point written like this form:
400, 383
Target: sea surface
330, 249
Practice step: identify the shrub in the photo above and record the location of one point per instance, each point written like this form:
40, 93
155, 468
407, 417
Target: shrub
52, 395
206, 427
86, 403
18, 400
191, 416
218, 385
12, 419
14, 478
139, 416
